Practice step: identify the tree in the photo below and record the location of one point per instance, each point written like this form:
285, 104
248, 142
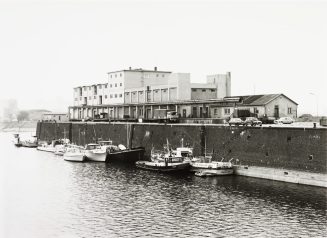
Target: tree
23, 116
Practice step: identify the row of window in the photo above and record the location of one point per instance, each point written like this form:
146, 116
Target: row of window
116, 85
105, 96
120, 75
203, 90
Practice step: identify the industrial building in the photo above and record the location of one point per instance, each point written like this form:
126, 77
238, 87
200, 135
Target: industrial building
136, 93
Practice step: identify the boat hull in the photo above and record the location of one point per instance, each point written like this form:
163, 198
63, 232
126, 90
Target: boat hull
213, 172
29, 144
74, 157
46, 148
96, 156
162, 167
125, 156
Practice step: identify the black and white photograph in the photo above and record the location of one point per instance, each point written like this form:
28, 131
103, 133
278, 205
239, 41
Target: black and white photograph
163, 118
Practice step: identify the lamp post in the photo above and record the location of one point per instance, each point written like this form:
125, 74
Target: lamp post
316, 102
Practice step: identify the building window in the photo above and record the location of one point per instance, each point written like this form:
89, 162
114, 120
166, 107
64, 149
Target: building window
203, 90
193, 90
141, 92
227, 110
156, 91
110, 75
99, 86
90, 88
110, 85
95, 97
105, 96
120, 95
134, 93
80, 98
90, 97
106, 86
115, 95
163, 75
127, 93
255, 110
213, 90
157, 75
215, 111
121, 84
289, 110
164, 90
120, 74
115, 75
110, 95
84, 88
115, 85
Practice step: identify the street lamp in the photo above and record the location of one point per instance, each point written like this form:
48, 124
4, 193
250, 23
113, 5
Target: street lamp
316, 102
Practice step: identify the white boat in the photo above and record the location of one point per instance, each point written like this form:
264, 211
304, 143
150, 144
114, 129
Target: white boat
212, 167
74, 153
95, 152
56, 146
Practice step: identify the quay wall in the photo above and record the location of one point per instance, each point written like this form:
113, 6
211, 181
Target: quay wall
298, 149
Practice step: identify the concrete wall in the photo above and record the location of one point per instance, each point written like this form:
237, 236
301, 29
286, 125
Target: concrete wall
223, 83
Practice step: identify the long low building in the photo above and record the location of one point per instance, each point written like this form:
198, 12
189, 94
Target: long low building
271, 105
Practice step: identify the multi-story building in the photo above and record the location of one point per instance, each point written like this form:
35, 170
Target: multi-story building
135, 87
137, 93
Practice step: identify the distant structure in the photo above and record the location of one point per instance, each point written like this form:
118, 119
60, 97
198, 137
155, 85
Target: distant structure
55, 117
137, 93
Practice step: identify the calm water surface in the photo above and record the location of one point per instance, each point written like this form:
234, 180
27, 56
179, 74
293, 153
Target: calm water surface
44, 196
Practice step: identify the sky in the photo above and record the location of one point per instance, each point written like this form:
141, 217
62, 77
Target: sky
49, 47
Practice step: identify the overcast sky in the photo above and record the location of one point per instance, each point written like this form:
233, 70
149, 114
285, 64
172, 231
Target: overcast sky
49, 47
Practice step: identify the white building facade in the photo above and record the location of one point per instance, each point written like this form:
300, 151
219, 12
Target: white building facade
137, 87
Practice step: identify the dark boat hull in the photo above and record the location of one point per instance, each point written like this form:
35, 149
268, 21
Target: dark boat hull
165, 169
126, 156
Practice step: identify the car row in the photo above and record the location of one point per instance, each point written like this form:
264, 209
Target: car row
253, 121
249, 121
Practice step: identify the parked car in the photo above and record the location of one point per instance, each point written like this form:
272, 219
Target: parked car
236, 121
267, 120
252, 121
285, 120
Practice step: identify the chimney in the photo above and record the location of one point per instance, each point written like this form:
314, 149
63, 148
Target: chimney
155, 68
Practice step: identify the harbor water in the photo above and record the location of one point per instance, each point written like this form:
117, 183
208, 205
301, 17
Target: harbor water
44, 196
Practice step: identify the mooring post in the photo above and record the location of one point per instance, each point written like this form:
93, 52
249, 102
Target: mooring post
202, 139
70, 132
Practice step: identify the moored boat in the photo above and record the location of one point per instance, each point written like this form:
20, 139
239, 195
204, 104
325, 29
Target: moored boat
169, 161
74, 153
121, 154
212, 167
17, 141
55, 145
163, 166
94, 152
31, 143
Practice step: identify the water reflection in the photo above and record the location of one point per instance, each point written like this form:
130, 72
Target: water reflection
45, 196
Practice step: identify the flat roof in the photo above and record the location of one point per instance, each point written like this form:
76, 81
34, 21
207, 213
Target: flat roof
139, 70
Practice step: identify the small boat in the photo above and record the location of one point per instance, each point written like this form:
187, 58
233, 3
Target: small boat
204, 174
212, 168
121, 154
55, 145
31, 143
17, 141
94, 152
163, 166
74, 153
169, 161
